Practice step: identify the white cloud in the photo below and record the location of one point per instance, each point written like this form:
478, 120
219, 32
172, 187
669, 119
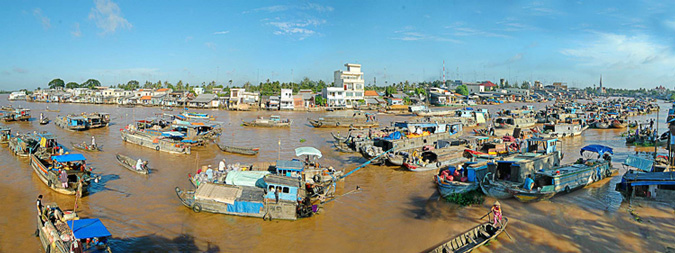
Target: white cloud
635, 58
210, 45
76, 32
221, 32
280, 8
408, 33
670, 24
46, 23
108, 16
513, 59
463, 31
317, 7
299, 28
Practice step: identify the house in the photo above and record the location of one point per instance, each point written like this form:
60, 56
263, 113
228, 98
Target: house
158, 99
286, 99
163, 91
143, 93
308, 98
370, 94
442, 98
298, 102
488, 85
273, 103
334, 96
241, 96
145, 100
205, 101
516, 91
395, 101
475, 88
351, 82
122, 93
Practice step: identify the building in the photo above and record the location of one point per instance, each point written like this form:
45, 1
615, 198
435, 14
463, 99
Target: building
286, 99
163, 91
307, 98
198, 91
475, 88
351, 82
335, 96
205, 101
517, 91
239, 96
395, 101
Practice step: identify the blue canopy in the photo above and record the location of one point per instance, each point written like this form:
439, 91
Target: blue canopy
639, 162
68, 158
393, 136
600, 149
88, 228
172, 134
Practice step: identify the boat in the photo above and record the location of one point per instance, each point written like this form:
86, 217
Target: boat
562, 130
472, 239
618, 124
85, 147
166, 141
62, 231
47, 170
23, 144
5, 134
130, 164
495, 189
71, 122
97, 119
460, 182
166, 108
525, 196
273, 121
512, 122
52, 110
195, 115
17, 95
431, 113
238, 150
356, 120
601, 124
44, 121
15, 115
433, 159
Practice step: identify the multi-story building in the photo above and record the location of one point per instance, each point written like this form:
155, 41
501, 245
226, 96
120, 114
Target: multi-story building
334, 96
286, 99
351, 82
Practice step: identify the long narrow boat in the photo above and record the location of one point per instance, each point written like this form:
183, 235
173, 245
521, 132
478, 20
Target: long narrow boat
47, 171
195, 115
472, 239
238, 150
63, 231
273, 121
525, 196
130, 164
492, 188
5, 134
158, 143
84, 147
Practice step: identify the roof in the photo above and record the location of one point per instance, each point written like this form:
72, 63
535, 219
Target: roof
205, 98
307, 151
370, 93
600, 149
218, 192
146, 97
290, 165
162, 90
282, 180
88, 228
68, 158
488, 84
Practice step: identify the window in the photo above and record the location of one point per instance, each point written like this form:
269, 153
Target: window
350, 94
285, 190
359, 94
271, 188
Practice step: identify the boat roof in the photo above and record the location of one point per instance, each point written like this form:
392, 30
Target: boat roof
308, 151
68, 158
290, 165
600, 149
639, 162
172, 134
651, 178
78, 118
282, 180
88, 228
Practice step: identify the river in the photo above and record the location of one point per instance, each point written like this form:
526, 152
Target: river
396, 211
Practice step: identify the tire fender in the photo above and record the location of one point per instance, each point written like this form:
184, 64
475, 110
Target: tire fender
197, 208
157, 148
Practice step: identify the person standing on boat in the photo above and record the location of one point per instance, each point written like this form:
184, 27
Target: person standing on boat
496, 214
39, 203
222, 165
139, 164
93, 142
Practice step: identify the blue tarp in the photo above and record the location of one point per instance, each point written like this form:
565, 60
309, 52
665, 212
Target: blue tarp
600, 149
172, 134
307, 151
88, 228
245, 207
289, 165
393, 136
68, 158
639, 162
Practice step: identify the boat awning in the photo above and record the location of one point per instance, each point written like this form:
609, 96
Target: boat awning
88, 228
600, 149
308, 151
289, 165
639, 162
172, 134
68, 158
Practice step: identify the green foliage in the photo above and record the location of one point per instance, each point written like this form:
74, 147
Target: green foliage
56, 83
319, 100
474, 197
462, 90
390, 90
72, 85
525, 85
91, 83
672, 97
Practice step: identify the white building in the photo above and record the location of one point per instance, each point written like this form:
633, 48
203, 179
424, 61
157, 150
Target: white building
524, 92
335, 96
122, 93
475, 88
198, 91
241, 96
286, 99
351, 82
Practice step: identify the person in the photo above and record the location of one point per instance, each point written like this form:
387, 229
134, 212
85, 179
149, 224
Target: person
221, 165
651, 124
39, 203
41, 117
93, 142
497, 214
139, 164
529, 183
64, 179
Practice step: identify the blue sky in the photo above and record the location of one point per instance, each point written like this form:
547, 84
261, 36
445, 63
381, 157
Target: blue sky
629, 43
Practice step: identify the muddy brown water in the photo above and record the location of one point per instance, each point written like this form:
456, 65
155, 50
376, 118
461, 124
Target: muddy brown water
397, 211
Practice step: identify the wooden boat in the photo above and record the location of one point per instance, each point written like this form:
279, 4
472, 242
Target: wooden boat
195, 115
166, 108
338, 138
525, 196
435, 159
71, 122
344, 148
155, 142
63, 231
273, 121
498, 190
511, 122
84, 147
618, 124
5, 134
44, 121
51, 110
44, 169
16, 115
97, 119
130, 164
471, 239
562, 130
238, 150
356, 120
23, 144
601, 125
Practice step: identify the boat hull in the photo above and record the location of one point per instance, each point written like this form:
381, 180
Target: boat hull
448, 188
155, 143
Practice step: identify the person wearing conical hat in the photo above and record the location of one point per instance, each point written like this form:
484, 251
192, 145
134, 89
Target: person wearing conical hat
496, 214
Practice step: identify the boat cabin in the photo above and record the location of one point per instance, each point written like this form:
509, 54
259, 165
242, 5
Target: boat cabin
283, 188
473, 171
659, 186
77, 122
5, 134
293, 168
541, 145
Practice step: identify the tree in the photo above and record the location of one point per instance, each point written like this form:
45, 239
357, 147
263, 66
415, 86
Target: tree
319, 100
91, 83
525, 85
72, 85
230, 83
56, 83
132, 85
462, 90
390, 90
179, 85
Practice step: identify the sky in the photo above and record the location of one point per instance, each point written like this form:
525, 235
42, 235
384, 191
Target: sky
628, 43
